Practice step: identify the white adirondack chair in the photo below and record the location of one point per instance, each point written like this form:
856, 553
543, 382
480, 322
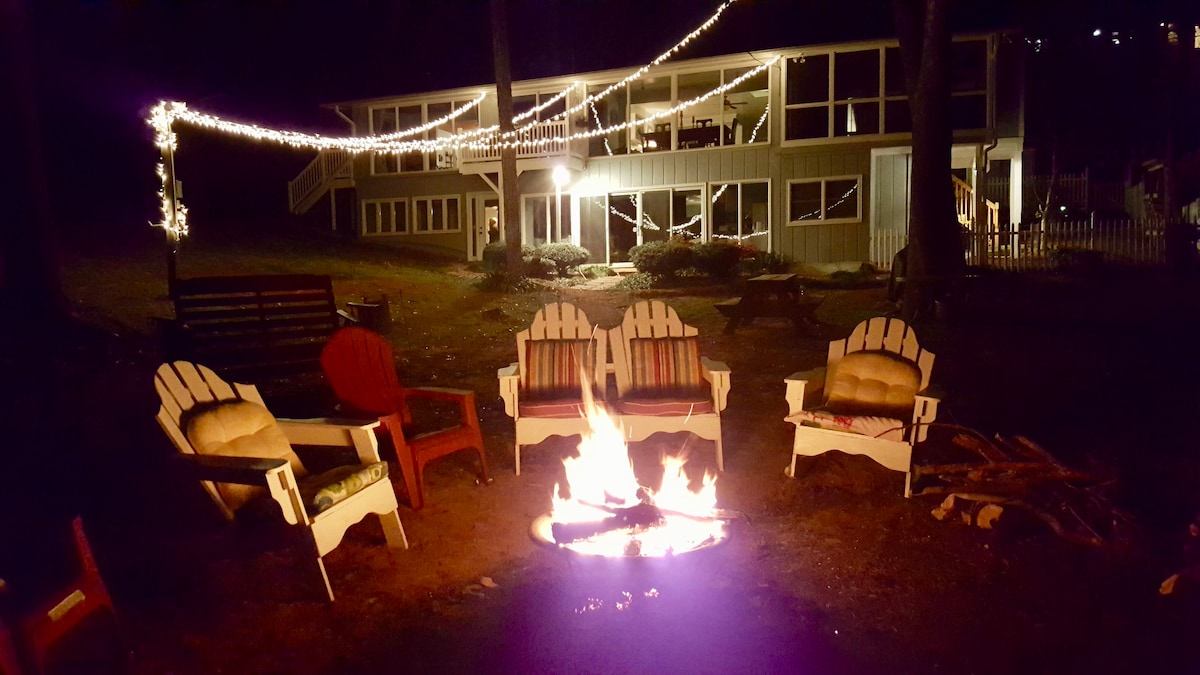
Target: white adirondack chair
543, 391
870, 399
663, 384
229, 440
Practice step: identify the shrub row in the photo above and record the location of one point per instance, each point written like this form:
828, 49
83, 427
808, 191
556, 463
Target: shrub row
719, 259
542, 261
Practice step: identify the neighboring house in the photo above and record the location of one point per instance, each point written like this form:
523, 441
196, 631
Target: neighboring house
809, 158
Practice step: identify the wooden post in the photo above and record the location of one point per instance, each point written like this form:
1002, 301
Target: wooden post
170, 219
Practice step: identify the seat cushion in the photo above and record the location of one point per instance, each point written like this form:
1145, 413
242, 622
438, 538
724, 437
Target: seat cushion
694, 401
873, 383
552, 407
240, 429
865, 425
552, 368
321, 491
665, 367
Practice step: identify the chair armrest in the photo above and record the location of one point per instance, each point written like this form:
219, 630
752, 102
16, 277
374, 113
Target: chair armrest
225, 469
274, 474
510, 378
717, 373
329, 432
803, 388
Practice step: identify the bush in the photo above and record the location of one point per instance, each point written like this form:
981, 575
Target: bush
596, 271
640, 281
718, 259
495, 257
662, 258
564, 256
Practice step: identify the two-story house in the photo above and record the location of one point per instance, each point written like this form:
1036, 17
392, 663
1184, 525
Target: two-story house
808, 157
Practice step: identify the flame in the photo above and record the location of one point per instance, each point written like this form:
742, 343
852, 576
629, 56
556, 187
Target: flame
601, 480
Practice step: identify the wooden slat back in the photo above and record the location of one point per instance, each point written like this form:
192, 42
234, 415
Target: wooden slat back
645, 319
886, 334
181, 386
564, 321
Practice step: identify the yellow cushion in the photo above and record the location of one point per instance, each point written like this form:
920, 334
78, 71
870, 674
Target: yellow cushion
240, 429
873, 382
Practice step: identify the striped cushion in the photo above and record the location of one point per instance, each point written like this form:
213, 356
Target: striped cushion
552, 407
664, 365
552, 368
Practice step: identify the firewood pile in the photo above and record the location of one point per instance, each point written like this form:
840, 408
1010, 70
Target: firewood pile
1017, 473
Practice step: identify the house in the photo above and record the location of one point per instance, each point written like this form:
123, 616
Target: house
807, 157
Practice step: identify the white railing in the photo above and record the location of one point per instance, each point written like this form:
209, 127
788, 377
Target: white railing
329, 164
1040, 247
545, 139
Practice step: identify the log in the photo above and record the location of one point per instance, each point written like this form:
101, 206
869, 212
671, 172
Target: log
639, 515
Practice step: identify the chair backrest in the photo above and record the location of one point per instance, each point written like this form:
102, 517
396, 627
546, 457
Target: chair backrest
360, 367
181, 387
645, 319
883, 334
564, 321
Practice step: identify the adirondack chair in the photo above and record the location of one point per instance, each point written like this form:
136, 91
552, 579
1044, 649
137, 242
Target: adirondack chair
872, 398
663, 383
359, 366
40, 612
230, 442
558, 356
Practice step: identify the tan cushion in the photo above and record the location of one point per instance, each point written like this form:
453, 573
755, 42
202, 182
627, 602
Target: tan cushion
240, 429
873, 382
660, 366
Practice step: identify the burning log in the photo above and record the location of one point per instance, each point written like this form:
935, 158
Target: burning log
639, 515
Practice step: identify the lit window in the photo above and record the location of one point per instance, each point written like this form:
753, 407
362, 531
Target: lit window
825, 200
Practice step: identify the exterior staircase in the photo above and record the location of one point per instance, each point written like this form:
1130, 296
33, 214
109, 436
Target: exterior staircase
329, 170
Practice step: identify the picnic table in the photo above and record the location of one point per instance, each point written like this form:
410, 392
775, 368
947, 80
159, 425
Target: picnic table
772, 296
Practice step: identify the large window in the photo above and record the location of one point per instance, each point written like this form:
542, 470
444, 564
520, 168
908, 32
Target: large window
381, 217
740, 212
825, 200
390, 119
435, 214
863, 92
540, 219
737, 117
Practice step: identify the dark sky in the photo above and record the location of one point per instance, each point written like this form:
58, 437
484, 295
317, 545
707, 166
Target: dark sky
101, 65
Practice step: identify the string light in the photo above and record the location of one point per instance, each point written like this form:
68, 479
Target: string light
821, 209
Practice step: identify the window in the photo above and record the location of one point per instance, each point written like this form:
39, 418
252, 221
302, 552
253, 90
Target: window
603, 114
863, 92
435, 214
737, 117
390, 119
826, 200
384, 217
539, 219
740, 213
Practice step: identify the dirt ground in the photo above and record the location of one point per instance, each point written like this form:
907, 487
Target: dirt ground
831, 572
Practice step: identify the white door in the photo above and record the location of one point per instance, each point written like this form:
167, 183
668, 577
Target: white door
484, 210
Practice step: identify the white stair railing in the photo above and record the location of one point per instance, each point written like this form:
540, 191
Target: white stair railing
326, 166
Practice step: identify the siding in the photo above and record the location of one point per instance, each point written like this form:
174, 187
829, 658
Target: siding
624, 172
823, 242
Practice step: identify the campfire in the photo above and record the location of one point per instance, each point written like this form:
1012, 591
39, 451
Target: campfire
608, 512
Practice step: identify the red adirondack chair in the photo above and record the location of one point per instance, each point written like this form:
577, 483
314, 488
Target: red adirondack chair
359, 366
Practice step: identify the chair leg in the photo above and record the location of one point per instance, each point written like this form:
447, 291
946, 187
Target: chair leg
518, 456
324, 577
487, 479
393, 530
791, 472
720, 453
404, 457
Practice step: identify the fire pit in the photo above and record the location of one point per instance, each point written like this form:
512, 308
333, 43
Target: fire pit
608, 513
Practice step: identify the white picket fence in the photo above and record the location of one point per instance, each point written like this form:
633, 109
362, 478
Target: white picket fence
1037, 246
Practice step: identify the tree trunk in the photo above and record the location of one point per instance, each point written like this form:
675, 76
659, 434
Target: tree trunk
510, 217
935, 247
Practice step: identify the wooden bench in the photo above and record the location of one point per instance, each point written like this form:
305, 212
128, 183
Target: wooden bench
245, 326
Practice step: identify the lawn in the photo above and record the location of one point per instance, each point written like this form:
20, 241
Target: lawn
834, 571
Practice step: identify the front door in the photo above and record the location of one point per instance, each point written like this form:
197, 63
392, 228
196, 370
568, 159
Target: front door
484, 222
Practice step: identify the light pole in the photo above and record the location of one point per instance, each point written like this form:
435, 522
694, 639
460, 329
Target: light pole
561, 177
